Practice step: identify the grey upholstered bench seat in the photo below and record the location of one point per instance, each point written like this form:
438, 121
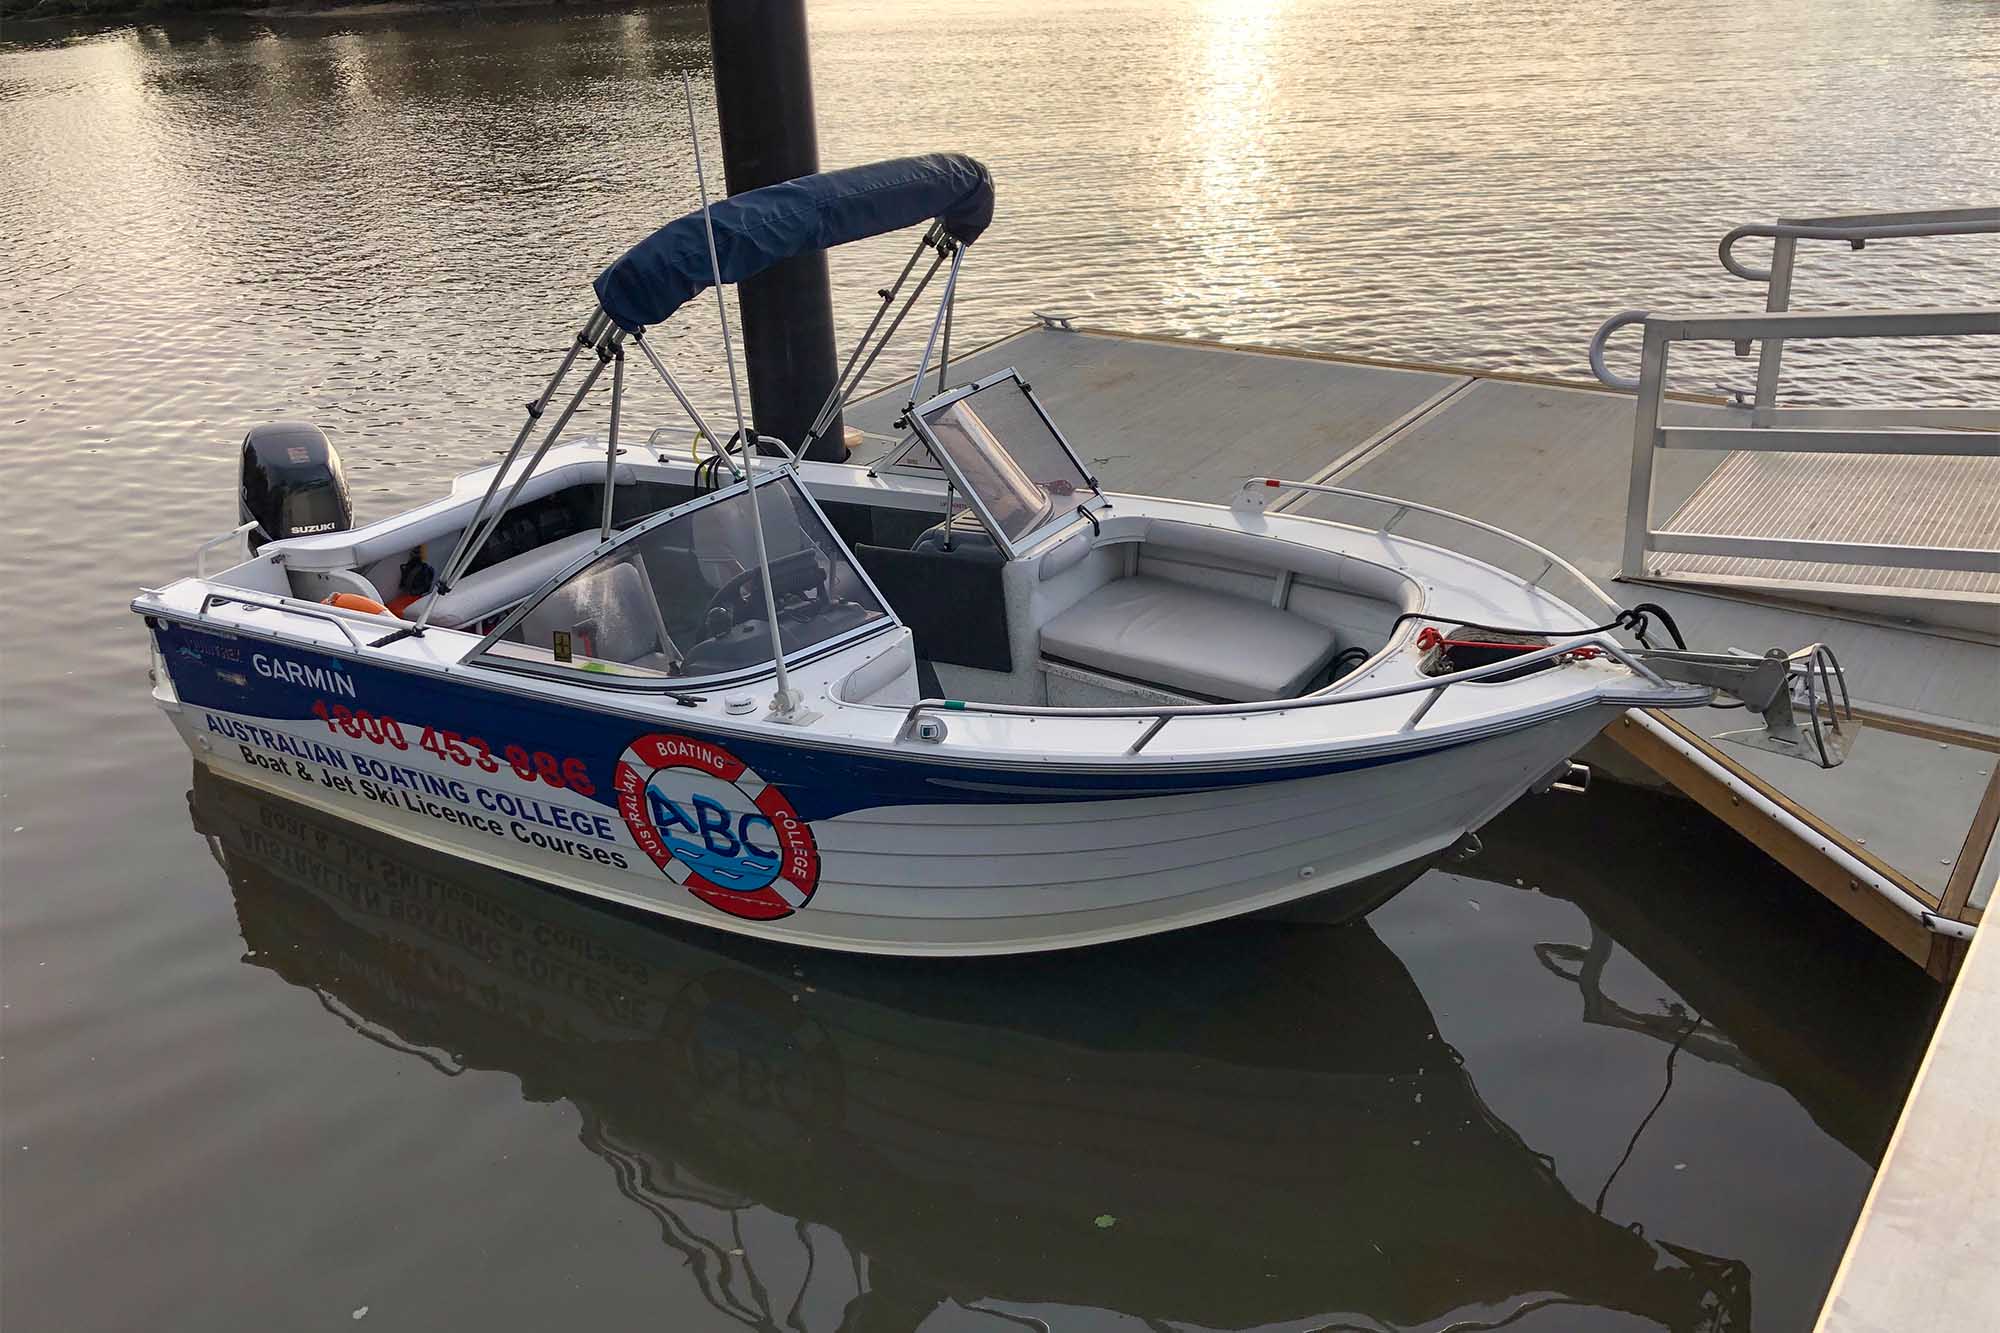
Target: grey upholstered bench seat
477, 596
1190, 640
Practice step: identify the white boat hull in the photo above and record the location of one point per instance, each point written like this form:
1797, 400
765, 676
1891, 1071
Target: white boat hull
966, 876
868, 821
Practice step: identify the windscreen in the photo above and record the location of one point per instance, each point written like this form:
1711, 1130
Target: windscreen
1013, 461
683, 600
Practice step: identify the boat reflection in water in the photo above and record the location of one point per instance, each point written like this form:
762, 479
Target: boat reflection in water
1777, 986
1201, 1128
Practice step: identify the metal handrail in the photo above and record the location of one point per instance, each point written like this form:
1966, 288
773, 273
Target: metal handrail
220, 598
1431, 687
345, 621
1650, 436
235, 534
1550, 560
1857, 231
1256, 493
1605, 375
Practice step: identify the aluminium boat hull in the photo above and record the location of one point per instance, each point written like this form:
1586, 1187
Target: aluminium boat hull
826, 846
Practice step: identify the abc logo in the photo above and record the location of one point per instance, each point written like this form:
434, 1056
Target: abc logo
715, 827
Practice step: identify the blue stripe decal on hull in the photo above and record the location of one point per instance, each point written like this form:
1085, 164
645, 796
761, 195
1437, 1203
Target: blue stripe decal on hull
316, 693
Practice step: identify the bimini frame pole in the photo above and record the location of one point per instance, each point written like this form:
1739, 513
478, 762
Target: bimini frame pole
882, 343
476, 535
493, 519
701, 425
785, 703
611, 441
942, 320
950, 305
836, 398
593, 328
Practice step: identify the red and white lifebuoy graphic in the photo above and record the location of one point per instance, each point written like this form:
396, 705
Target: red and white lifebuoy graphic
716, 828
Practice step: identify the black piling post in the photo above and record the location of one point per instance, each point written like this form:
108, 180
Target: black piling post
763, 96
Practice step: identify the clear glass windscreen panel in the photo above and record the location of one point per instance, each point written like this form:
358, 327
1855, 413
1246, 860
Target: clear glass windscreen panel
1014, 463
684, 600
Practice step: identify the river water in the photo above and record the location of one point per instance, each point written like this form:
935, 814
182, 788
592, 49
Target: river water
260, 1071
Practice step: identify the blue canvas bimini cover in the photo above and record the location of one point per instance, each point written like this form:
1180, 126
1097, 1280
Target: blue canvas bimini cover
759, 228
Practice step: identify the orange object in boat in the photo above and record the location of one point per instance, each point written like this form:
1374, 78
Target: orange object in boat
354, 601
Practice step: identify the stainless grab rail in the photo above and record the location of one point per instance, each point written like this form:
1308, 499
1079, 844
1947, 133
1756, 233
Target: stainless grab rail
1857, 231
1605, 375
1257, 494
340, 622
1431, 687
1246, 497
235, 534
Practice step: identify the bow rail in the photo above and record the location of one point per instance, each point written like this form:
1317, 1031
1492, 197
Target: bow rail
1261, 493
1774, 686
1777, 686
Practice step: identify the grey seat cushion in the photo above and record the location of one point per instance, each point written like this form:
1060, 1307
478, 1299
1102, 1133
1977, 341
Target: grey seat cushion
477, 596
1190, 640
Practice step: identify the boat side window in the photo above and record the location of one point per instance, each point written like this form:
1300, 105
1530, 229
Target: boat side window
1005, 452
682, 599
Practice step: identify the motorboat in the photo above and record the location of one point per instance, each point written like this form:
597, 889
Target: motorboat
951, 696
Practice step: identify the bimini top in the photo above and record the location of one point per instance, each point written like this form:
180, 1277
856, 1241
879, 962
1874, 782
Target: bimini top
759, 228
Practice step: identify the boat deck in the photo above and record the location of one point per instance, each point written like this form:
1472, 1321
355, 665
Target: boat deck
1917, 800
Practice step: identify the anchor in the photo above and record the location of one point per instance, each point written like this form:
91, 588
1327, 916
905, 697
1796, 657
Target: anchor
1801, 697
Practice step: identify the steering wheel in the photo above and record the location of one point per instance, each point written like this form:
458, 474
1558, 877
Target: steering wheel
794, 573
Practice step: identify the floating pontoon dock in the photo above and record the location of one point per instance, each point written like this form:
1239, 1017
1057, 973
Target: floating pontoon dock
1871, 530
1897, 833
1891, 566
1875, 530
1921, 1256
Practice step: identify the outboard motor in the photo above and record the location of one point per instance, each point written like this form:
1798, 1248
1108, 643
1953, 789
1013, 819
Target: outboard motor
292, 484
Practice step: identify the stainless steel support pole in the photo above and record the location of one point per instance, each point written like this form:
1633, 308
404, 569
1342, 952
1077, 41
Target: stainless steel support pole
1645, 435
475, 540
592, 329
895, 324
930, 343
838, 397
673, 386
1771, 351
611, 441
950, 304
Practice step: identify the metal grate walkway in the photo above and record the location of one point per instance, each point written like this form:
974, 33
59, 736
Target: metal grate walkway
1915, 501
